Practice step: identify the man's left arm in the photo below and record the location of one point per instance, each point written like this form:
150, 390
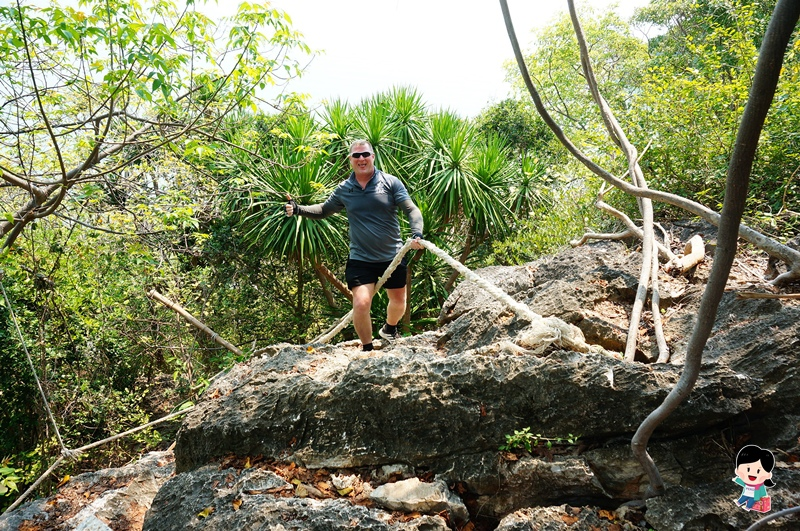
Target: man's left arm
414, 220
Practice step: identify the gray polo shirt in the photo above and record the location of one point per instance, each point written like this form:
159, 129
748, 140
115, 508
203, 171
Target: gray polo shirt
371, 213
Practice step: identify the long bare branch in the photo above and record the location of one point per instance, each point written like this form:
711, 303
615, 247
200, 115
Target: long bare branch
655, 310
770, 59
618, 136
769, 245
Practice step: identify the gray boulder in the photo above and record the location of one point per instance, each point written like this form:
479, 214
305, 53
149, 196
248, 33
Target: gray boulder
412, 495
405, 405
113, 497
215, 499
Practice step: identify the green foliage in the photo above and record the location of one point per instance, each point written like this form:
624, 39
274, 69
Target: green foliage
518, 123
466, 177
95, 89
554, 64
564, 214
9, 477
692, 98
19, 423
294, 166
525, 440
681, 94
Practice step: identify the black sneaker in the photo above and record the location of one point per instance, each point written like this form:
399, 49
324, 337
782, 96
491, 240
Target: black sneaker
387, 335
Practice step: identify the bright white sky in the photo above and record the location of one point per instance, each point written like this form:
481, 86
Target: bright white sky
452, 51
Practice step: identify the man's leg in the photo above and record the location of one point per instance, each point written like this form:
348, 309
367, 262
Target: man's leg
397, 305
362, 302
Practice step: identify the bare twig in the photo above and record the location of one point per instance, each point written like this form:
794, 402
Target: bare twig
757, 295
665, 251
153, 294
769, 245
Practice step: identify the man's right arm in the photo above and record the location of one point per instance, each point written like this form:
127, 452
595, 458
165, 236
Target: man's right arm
319, 211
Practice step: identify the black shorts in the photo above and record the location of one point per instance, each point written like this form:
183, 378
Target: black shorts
359, 273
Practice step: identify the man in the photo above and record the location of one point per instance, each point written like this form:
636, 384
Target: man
371, 199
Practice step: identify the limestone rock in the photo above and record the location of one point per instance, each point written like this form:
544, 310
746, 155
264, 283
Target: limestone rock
212, 499
117, 496
412, 495
368, 412
712, 506
566, 518
535, 481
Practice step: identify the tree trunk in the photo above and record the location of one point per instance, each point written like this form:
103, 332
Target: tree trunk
325, 290
770, 59
462, 259
298, 309
326, 273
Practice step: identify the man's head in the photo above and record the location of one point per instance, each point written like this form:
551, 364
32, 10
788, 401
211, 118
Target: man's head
362, 158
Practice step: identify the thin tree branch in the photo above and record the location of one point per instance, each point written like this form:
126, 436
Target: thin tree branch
770, 60
645, 205
38, 94
769, 245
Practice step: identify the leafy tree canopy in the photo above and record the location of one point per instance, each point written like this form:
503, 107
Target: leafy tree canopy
92, 89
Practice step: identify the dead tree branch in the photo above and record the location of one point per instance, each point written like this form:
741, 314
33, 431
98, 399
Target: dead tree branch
772, 247
757, 295
632, 229
156, 296
779, 31
770, 60
619, 137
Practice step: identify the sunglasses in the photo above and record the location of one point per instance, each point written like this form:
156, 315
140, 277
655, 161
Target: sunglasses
360, 154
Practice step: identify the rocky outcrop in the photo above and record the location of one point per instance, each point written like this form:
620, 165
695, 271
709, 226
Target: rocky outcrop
695, 509
212, 499
416, 404
114, 498
438, 406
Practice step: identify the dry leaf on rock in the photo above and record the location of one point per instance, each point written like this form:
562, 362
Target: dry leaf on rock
569, 520
205, 513
407, 517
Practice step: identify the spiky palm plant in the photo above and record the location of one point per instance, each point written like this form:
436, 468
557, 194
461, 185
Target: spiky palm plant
290, 162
